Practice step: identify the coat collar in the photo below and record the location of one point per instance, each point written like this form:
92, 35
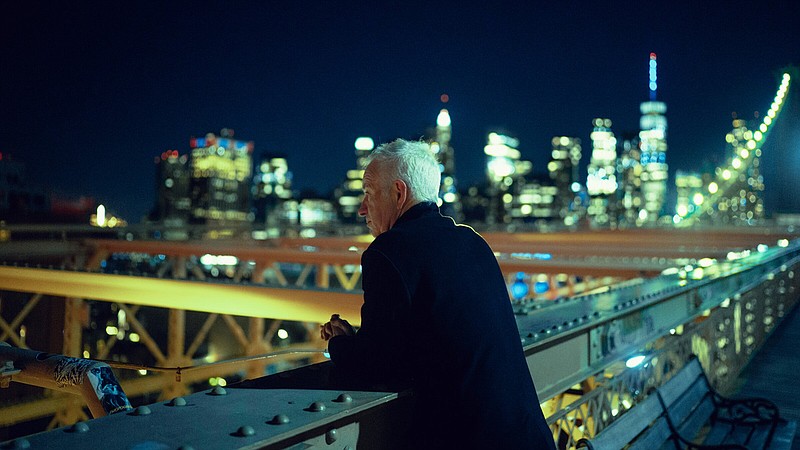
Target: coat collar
417, 211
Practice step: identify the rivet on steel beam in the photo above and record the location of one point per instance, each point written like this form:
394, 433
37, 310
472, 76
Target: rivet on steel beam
316, 407
20, 443
279, 419
331, 436
218, 390
344, 398
177, 401
142, 411
80, 427
245, 430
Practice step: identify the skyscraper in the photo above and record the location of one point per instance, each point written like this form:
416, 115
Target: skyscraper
173, 204
689, 187
742, 180
272, 187
653, 145
350, 194
563, 169
629, 172
601, 179
450, 202
502, 164
221, 168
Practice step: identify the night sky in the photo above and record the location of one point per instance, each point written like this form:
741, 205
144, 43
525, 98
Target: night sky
92, 92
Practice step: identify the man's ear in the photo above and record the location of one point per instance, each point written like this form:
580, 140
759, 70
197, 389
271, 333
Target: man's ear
400, 193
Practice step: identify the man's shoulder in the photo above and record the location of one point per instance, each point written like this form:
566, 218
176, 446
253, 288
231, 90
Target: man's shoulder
426, 232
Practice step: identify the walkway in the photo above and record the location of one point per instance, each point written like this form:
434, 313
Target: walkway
774, 370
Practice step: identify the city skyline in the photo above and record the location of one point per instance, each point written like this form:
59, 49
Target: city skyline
101, 92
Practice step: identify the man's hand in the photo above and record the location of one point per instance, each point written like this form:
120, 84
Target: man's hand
336, 327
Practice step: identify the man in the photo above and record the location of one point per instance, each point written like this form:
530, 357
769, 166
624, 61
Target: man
436, 313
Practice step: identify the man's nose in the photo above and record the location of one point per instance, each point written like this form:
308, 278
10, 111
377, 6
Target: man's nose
362, 210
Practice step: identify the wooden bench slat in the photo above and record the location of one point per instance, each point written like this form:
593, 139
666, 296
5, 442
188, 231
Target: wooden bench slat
678, 384
784, 436
757, 438
653, 438
629, 425
691, 426
719, 434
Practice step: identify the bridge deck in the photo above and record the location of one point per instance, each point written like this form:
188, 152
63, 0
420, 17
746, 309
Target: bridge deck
773, 371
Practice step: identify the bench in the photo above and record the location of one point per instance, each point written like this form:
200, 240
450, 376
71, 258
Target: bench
686, 412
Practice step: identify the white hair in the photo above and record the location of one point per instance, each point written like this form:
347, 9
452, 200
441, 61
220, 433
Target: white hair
414, 163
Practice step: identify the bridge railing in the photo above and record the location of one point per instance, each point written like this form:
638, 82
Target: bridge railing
574, 346
729, 328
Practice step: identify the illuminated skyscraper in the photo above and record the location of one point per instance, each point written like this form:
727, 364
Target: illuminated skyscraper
173, 204
450, 203
629, 173
653, 145
744, 185
351, 192
272, 187
534, 201
221, 168
690, 188
503, 165
601, 180
563, 169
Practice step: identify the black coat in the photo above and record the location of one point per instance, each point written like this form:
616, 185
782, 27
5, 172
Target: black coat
436, 312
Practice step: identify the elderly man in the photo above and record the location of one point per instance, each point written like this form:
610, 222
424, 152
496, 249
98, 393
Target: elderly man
436, 313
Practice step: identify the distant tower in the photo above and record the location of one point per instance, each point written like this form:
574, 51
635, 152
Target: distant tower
351, 192
741, 179
271, 189
653, 144
601, 180
503, 168
629, 174
173, 205
448, 193
689, 187
563, 169
221, 169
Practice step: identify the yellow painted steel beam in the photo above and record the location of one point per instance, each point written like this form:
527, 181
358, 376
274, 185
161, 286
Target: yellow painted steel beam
615, 268
251, 301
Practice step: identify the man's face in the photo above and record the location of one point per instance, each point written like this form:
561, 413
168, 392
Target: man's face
378, 205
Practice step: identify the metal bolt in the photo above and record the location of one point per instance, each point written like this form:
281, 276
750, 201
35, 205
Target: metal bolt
177, 401
344, 398
218, 390
142, 411
279, 419
331, 436
316, 407
21, 443
245, 430
80, 427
